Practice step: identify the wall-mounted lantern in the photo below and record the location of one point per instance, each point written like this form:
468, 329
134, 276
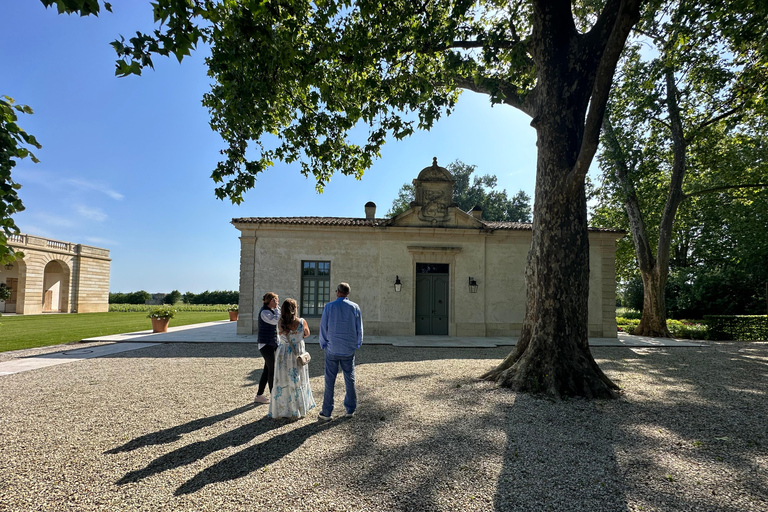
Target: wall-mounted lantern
398, 284
472, 285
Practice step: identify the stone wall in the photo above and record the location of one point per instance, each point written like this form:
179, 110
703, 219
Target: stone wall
369, 258
77, 276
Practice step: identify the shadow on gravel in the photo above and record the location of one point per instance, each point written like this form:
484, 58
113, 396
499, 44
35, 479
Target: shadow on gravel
378, 354
254, 457
201, 449
554, 460
696, 439
172, 434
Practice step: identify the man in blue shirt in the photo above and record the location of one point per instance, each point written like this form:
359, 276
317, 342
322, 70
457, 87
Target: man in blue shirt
341, 333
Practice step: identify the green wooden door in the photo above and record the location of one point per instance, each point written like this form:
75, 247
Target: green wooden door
432, 304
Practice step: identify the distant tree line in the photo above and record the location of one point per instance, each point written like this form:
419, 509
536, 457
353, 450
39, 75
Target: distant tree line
139, 297
206, 297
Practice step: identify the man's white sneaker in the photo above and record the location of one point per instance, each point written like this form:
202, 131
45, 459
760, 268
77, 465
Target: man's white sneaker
320, 417
261, 399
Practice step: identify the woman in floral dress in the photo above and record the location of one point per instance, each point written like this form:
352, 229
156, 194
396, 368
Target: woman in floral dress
291, 395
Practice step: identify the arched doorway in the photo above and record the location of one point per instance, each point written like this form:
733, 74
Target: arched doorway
55, 287
9, 276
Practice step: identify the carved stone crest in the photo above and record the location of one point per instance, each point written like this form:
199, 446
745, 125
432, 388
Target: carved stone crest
433, 191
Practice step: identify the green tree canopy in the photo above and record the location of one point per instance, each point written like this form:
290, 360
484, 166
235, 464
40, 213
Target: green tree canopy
674, 116
172, 298
468, 193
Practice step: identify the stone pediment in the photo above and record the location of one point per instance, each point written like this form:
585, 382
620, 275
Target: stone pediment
453, 217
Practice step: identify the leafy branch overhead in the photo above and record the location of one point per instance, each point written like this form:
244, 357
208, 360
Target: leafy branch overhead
313, 73
14, 144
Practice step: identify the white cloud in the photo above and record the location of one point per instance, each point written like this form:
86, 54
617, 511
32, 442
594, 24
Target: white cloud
97, 187
91, 213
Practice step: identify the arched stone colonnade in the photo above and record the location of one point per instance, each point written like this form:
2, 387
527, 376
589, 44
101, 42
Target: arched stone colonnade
56, 277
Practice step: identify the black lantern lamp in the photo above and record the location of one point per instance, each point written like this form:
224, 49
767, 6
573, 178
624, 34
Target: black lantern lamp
472, 285
398, 284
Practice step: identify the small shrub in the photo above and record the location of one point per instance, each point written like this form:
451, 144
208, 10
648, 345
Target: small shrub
686, 329
629, 313
5, 292
162, 312
627, 325
233, 307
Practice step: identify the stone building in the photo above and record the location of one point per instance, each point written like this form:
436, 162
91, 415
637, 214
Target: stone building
433, 269
56, 277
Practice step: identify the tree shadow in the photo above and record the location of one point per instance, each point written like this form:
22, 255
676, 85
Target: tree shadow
254, 457
554, 461
172, 434
188, 454
685, 439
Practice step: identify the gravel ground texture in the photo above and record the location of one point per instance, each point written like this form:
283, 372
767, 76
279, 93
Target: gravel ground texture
173, 427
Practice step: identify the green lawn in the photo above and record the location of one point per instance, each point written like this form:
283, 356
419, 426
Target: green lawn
29, 331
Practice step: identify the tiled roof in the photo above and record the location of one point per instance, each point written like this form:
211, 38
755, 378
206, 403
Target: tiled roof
315, 221
493, 224
528, 226
351, 221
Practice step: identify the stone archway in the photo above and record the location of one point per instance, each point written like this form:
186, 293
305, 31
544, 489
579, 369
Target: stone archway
55, 298
13, 276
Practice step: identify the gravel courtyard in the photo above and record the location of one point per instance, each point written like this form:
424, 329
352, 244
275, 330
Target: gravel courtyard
173, 427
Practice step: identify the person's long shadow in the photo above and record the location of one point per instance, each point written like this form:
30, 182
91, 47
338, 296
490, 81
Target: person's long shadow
253, 457
199, 450
172, 434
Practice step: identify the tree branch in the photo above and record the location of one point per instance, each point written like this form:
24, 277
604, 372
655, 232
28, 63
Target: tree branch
645, 257
506, 44
724, 187
679, 168
491, 86
612, 42
662, 122
714, 120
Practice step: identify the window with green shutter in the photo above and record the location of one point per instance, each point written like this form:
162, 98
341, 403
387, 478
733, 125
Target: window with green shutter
315, 287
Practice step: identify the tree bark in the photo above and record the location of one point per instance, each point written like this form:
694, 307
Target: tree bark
552, 355
654, 318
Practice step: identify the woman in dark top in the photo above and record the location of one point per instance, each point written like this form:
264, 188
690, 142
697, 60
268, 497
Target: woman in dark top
269, 314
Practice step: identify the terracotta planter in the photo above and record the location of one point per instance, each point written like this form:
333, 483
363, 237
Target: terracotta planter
233, 316
160, 324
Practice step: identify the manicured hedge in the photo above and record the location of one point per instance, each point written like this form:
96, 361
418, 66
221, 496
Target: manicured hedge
737, 327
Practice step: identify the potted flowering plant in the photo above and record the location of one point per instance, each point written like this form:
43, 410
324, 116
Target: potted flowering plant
160, 317
234, 311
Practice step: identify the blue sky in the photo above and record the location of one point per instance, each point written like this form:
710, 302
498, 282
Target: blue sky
126, 162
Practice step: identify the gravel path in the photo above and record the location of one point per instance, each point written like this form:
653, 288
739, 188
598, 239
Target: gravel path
172, 427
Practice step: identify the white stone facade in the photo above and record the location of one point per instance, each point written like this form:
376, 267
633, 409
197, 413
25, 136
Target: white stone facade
370, 253
56, 277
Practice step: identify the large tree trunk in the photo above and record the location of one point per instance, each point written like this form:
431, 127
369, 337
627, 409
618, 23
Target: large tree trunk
654, 319
552, 355
574, 73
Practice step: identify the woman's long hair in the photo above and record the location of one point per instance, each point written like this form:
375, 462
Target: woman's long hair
288, 315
